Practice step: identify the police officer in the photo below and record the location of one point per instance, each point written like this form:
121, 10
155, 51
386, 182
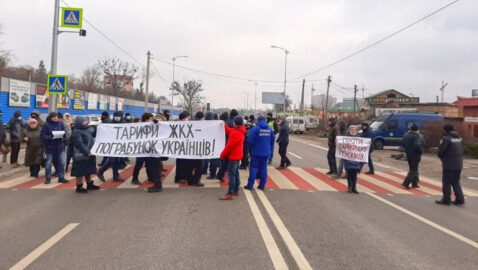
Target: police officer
451, 154
413, 143
332, 136
367, 133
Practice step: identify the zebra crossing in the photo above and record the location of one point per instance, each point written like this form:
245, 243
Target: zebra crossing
292, 178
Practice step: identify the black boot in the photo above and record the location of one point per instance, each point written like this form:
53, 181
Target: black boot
135, 181
349, 190
80, 189
92, 186
443, 202
156, 188
354, 190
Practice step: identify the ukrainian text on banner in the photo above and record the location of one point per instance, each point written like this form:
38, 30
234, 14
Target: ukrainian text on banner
353, 148
179, 139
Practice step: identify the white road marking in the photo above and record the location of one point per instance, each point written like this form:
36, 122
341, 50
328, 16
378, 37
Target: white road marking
281, 181
318, 146
297, 156
428, 222
384, 166
23, 263
285, 234
274, 252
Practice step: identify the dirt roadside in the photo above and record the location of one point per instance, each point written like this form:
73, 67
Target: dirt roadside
430, 165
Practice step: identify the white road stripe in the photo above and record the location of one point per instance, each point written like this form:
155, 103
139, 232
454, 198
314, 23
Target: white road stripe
23, 263
285, 234
15, 181
318, 146
314, 181
379, 183
271, 245
297, 156
281, 181
428, 222
400, 181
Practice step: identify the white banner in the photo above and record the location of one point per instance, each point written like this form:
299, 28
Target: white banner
353, 148
178, 139
19, 95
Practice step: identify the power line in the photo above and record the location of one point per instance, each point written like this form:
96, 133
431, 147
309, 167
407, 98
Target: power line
377, 42
217, 75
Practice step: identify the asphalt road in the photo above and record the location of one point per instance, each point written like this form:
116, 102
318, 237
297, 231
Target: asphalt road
189, 228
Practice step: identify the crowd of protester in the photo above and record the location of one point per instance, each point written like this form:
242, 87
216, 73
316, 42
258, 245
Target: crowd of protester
250, 141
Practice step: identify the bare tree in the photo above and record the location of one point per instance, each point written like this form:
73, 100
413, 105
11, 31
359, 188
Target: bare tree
117, 73
288, 104
90, 79
191, 94
4, 55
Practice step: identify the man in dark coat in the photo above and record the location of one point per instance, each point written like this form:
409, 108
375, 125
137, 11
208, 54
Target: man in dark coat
183, 165
105, 117
212, 164
413, 143
283, 141
271, 121
84, 164
223, 162
16, 136
367, 133
332, 136
113, 162
53, 135
128, 118
36, 115
450, 152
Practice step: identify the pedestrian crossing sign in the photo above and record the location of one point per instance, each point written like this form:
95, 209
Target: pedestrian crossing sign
71, 17
57, 84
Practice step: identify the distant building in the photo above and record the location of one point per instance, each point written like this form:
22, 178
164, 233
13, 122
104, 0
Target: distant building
468, 110
318, 101
348, 107
389, 99
126, 80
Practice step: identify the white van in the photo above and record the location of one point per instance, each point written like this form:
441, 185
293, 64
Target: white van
297, 125
311, 122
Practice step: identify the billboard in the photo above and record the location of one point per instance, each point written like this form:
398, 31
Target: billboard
79, 100
272, 98
19, 95
112, 103
103, 102
120, 104
63, 101
42, 97
474, 93
92, 101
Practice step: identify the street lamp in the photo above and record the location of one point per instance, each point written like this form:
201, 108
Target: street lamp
174, 67
286, 52
247, 100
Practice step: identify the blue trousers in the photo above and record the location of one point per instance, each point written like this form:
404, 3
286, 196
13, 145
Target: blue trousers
112, 162
59, 161
233, 173
258, 164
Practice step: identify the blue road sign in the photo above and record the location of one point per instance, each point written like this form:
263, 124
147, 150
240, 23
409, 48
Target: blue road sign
57, 84
71, 17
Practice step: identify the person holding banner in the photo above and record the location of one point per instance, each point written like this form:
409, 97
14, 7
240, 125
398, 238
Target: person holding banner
113, 162
261, 142
233, 153
352, 167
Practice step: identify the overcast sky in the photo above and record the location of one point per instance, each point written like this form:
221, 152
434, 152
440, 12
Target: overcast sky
234, 37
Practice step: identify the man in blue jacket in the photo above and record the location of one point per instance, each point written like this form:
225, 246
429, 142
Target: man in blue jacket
52, 135
261, 142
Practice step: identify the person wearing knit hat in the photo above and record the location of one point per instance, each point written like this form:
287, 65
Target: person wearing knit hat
53, 141
367, 133
413, 143
233, 152
34, 151
36, 115
184, 116
16, 136
450, 152
199, 116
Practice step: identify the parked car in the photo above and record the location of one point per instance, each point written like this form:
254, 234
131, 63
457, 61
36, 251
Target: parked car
388, 130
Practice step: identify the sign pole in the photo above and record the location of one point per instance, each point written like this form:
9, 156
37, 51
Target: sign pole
52, 104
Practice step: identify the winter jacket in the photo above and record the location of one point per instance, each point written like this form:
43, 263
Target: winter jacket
273, 125
413, 143
52, 146
34, 151
283, 133
450, 151
332, 134
82, 141
16, 128
261, 140
234, 146
67, 126
351, 164
367, 133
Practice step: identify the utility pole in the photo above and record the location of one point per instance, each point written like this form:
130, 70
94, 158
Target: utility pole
52, 105
302, 99
255, 97
324, 114
146, 97
355, 97
442, 90
363, 91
